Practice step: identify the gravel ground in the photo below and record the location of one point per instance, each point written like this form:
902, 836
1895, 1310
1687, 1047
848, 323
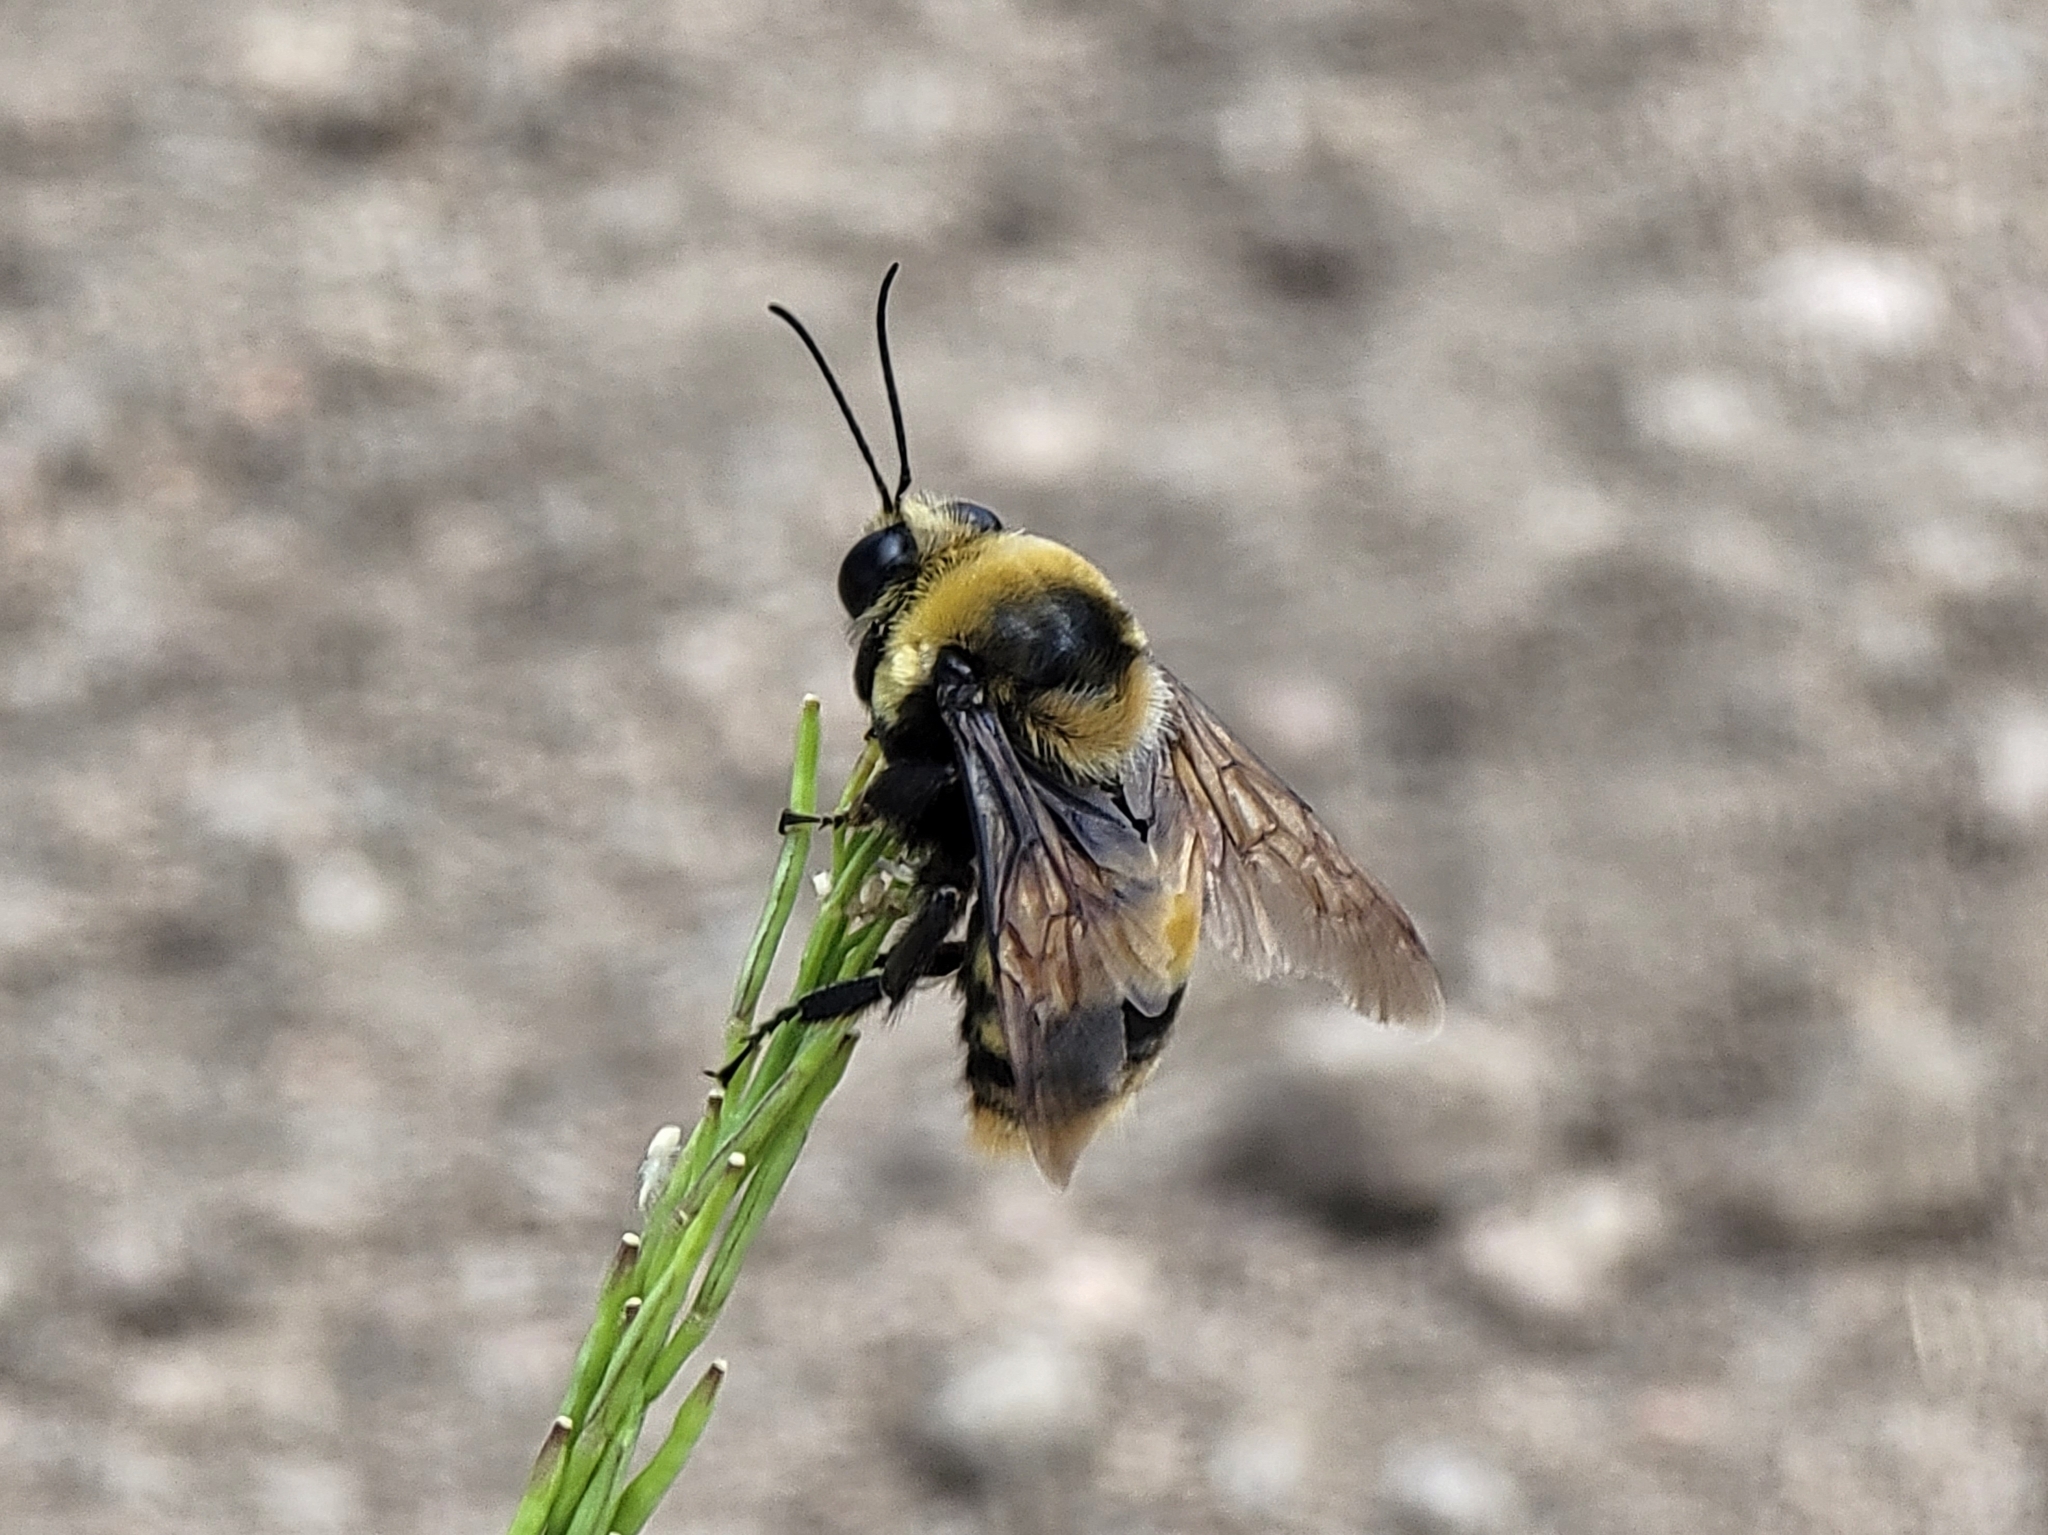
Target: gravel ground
1594, 447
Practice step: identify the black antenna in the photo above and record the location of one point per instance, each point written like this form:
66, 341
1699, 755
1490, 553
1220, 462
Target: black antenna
889, 382
846, 410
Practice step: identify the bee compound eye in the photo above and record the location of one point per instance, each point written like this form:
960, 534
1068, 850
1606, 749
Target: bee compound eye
977, 517
883, 556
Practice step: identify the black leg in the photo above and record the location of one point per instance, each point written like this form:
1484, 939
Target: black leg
904, 791
911, 958
790, 819
839, 1000
920, 951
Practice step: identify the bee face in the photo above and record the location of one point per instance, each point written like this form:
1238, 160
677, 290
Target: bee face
883, 559
919, 529
1077, 816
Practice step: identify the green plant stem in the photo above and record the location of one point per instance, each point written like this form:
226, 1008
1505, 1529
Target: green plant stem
647, 1489
706, 1195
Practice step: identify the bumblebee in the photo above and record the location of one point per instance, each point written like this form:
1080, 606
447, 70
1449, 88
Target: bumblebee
1076, 817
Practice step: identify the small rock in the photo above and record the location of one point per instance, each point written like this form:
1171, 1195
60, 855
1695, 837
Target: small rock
1901, 1467
2000, 474
347, 79
139, 1481
1315, 243
66, 422
1878, 303
1023, 1406
310, 1496
341, 895
183, 1382
1301, 715
1685, 1417
1885, 1144
1568, 520
555, 43
2012, 770
1952, 558
1702, 414
1445, 1489
1511, 965
258, 804
1731, 552
1258, 1471
28, 277
62, 114
153, 1276
635, 217
574, 79
1560, 1262
1041, 441
120, 611
1101, 1288
1899, 644
916, 111
34, 917
1377, 1127
1265, 133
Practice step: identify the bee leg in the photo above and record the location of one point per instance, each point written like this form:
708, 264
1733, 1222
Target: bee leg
789, 820
903, 792
921, 951
839, 1000
836, 1001
922, 944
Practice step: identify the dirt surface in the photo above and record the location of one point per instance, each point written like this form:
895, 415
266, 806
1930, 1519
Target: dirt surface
1593, 447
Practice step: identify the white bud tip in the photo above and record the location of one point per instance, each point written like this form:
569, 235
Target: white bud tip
813, 701
630, 1241
660, 1161
822, 883
665, 1140
736, 1161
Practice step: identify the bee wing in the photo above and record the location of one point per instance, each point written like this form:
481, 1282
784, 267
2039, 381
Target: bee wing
1086, 909
1281, 895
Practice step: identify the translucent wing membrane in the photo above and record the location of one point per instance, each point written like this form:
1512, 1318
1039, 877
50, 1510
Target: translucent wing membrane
1092, 898
1281, 895
1087, 909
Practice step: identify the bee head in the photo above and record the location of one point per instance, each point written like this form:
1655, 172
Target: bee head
909, 529
892, 553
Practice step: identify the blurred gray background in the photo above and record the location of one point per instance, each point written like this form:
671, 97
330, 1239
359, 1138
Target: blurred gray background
1592, 447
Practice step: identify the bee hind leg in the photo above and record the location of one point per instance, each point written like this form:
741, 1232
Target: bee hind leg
790, 820
921, 952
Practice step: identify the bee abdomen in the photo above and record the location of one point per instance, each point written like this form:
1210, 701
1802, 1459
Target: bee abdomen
991, 1078
1094, 1057
981, 1024
1079, 1067
1145, 1033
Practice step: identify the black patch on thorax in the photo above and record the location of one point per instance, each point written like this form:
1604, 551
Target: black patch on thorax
1060, 637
